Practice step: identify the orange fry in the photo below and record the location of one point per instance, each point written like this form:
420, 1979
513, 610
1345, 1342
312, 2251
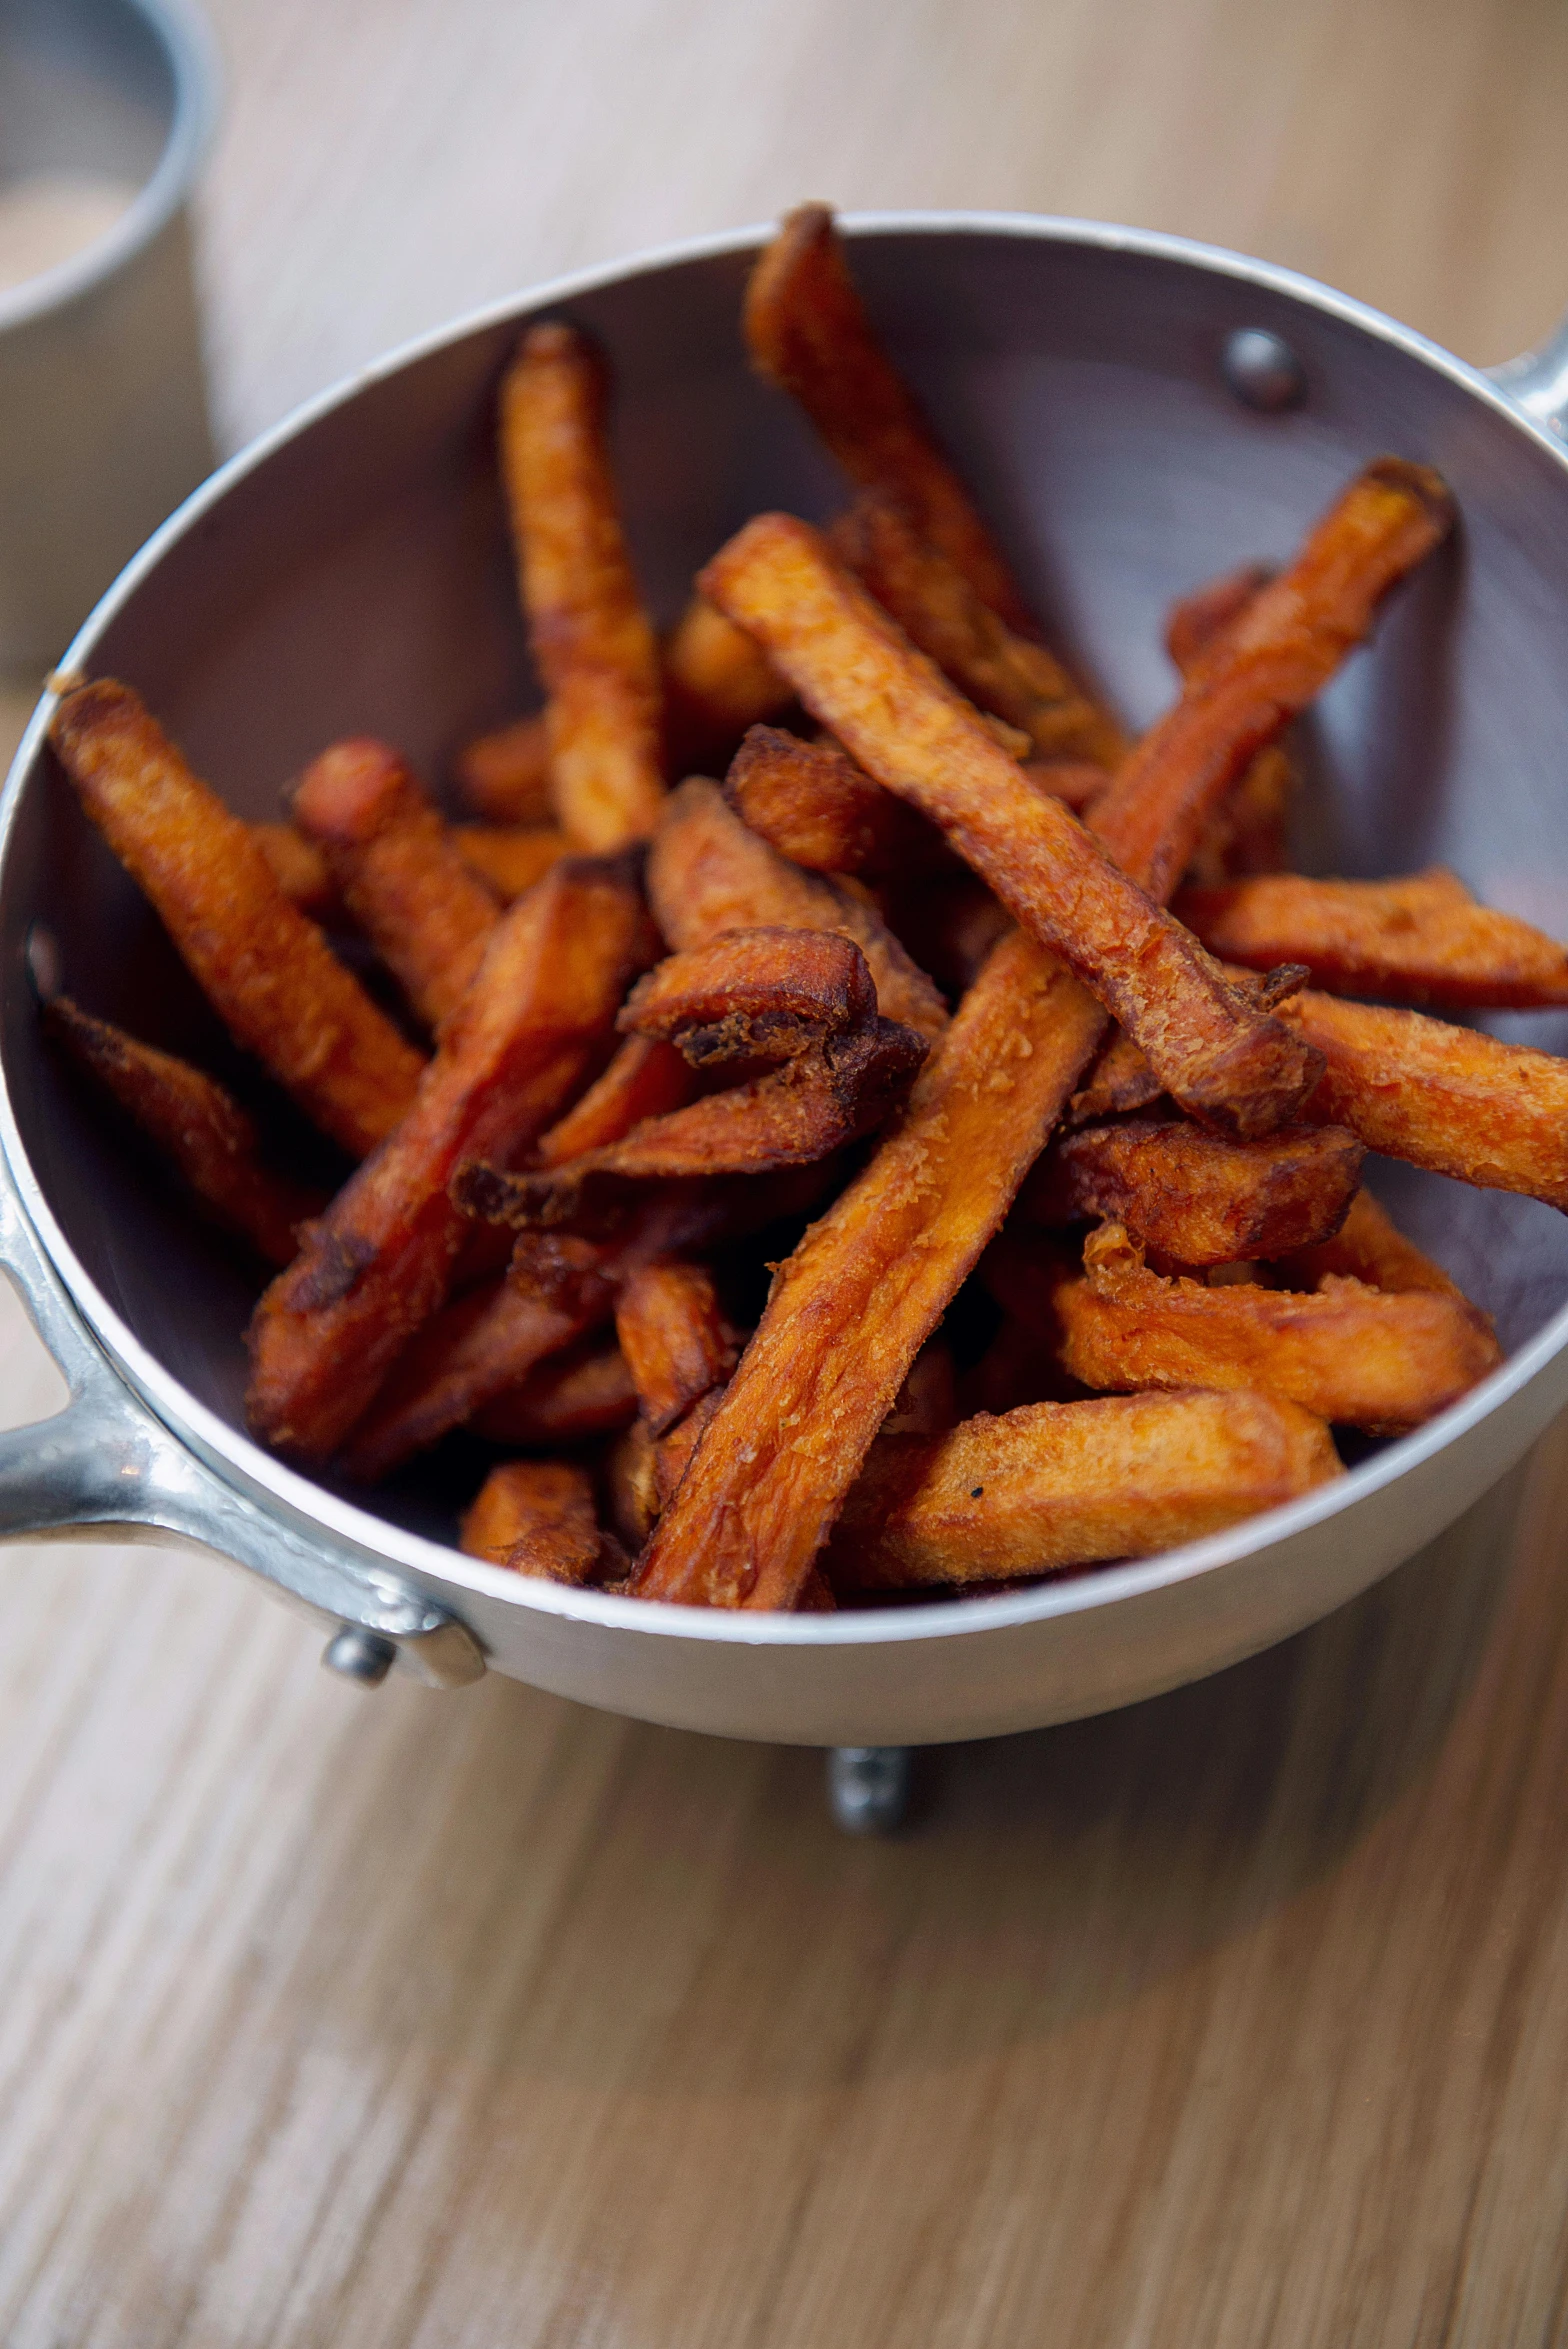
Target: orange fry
196, 1123
379, 1262
300, 870
1067, 1484
537, 1517
645, 1079
586, 1391
268, 972
1264, 668
938, 610
510, 857
1422, 939
807, 331
717, 682
505, 776
1246, 833
1368, 1247
1362, 1357
398, 871
1197, 1198
673, 1338
708, 872
896, 714
766, 994
811, 801
590, 635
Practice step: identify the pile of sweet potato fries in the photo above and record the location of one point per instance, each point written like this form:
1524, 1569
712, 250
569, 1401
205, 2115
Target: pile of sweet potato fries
950, 1004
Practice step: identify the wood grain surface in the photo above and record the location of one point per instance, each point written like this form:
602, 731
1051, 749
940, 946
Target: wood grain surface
1239, 2018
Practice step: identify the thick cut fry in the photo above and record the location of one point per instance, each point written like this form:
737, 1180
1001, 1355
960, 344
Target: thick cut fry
546, 1508
1369, 1247
938, 610
645, 1079
1422, 939
807, 331
1196, 621
1196, 1198
1355, 1355
1068, 1484
1246, 832
708, 872
815, 806
898, 716
196, 1123
300, 870
379, 1262
591, 637
269, 973
505, 776
717, 682
509, 857
398, 871
674, 1339
1491, 1114
1267, 665
587, 1391
766, 994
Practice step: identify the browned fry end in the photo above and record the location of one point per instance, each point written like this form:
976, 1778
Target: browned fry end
811, 801
538, 1517
756, 993
1198, 1198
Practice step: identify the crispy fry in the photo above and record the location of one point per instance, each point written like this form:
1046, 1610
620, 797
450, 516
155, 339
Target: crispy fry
707, 872
543, 1512
672, 1454
1196, 1198
938, 610
764, 994
505, 776
201, 1128
378, 1264
673, 1337
807, 331
1196, 621
586, 1391
1120, 1081
1246, 833
1368, 1247
1355, 1355
1492, 1114
900, 718
510, 857
815, 806
268, 972
591, 637
1268, 664
398, 871
1422, 939
300, 870
1068, 1484
717, 682
645, 1079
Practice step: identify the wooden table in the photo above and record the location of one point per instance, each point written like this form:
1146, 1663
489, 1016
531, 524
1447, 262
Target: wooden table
1239, 2018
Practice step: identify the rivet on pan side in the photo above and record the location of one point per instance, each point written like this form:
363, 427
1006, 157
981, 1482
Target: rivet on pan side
1262, 370
359, 1655
868, 1787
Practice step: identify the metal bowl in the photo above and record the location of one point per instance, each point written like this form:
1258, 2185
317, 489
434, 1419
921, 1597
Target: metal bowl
1135, 413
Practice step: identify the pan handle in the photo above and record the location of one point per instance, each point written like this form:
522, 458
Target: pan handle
106, 1460
1537, 381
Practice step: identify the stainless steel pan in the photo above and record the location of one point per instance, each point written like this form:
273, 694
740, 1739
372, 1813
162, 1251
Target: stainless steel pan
1136, 413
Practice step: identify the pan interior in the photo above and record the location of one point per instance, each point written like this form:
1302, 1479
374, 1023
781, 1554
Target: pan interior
357, 580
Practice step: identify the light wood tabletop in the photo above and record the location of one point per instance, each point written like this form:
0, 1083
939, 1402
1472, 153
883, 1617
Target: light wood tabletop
1239, 2018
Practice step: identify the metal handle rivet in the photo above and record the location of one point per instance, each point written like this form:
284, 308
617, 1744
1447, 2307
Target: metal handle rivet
1262, 370
868, 1787
359, 1655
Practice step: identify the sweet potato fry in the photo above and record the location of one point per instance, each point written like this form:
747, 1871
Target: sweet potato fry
1267, 665
1196, 1198
1196, 621
591, 637
1067, 1484
1358, 1356
1491, 1114
815, 806
672, 1454
505, 776
938, 610
896, 714
807, 331
268, 972
300, 870
1369, 1247
542, 1510
673, 1337
1246, 832
379, 1262
758, 994
509, 857
707, 872
1422, 939
584, 1392
645, 1079
398, 871
196, 1123
631, 1485
717, 682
